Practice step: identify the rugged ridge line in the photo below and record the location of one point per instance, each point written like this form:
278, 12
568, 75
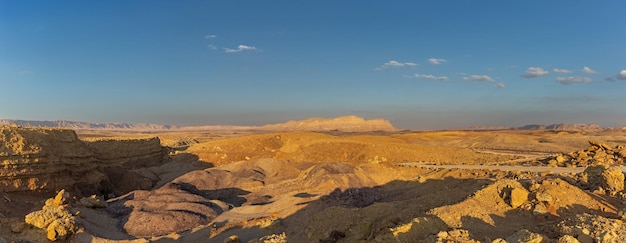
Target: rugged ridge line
344, 124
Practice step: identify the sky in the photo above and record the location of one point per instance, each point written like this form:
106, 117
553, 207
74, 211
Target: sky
420, 64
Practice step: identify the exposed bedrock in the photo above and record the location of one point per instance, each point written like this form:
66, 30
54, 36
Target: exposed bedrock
45, 159
131, 154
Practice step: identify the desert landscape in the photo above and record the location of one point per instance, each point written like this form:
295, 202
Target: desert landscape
312, 121
345, 179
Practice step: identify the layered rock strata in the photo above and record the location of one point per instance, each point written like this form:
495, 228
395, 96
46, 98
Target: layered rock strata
131, 154
45, 159
344, 124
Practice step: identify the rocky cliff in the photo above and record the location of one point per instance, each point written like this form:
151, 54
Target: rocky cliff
344, 124
50, 159
45, 159
130, 154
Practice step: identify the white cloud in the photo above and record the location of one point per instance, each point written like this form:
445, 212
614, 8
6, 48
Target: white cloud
430, 76
479, 78
589, 70
212, 47
622, 74
210, 36
436, 60
533, 72
394, 63
240, 48
561, 71
573, 80
500, 85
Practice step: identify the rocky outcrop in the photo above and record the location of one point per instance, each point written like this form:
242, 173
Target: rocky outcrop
131, 154
45, 159
596, 154
55, 218
50, 159
343, 124
602, 178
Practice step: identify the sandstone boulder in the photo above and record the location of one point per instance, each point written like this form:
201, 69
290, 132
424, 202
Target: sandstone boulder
568, 239
525, 236
55, 218
612, 180
518, 197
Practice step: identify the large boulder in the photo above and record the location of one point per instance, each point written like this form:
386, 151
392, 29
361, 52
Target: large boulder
55, 218
612, 180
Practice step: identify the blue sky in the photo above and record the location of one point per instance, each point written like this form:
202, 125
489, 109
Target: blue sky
420, 64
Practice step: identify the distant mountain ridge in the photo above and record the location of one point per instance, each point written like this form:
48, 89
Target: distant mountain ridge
85, 125
552, 127
564, 127
344, 123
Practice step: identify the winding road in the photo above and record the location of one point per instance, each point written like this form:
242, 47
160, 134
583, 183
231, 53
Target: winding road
555, 170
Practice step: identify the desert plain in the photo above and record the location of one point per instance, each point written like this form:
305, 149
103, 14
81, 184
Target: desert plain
317, 180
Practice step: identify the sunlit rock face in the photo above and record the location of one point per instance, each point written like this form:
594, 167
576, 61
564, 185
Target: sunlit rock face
46, 160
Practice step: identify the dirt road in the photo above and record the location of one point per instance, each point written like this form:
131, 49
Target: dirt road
556, 170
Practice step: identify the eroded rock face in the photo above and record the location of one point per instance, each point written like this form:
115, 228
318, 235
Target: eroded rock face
45, 159
130, 154
50, 159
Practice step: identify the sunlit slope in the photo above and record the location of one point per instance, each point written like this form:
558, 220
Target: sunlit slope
315, 147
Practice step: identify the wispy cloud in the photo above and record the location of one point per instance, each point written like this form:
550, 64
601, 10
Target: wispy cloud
479, 78
430, 76
622, 75
533, 72
500, 85
589, 70
436, 61
240, 48
212, 47
395, 64
561, 71
210, 36
573, 80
